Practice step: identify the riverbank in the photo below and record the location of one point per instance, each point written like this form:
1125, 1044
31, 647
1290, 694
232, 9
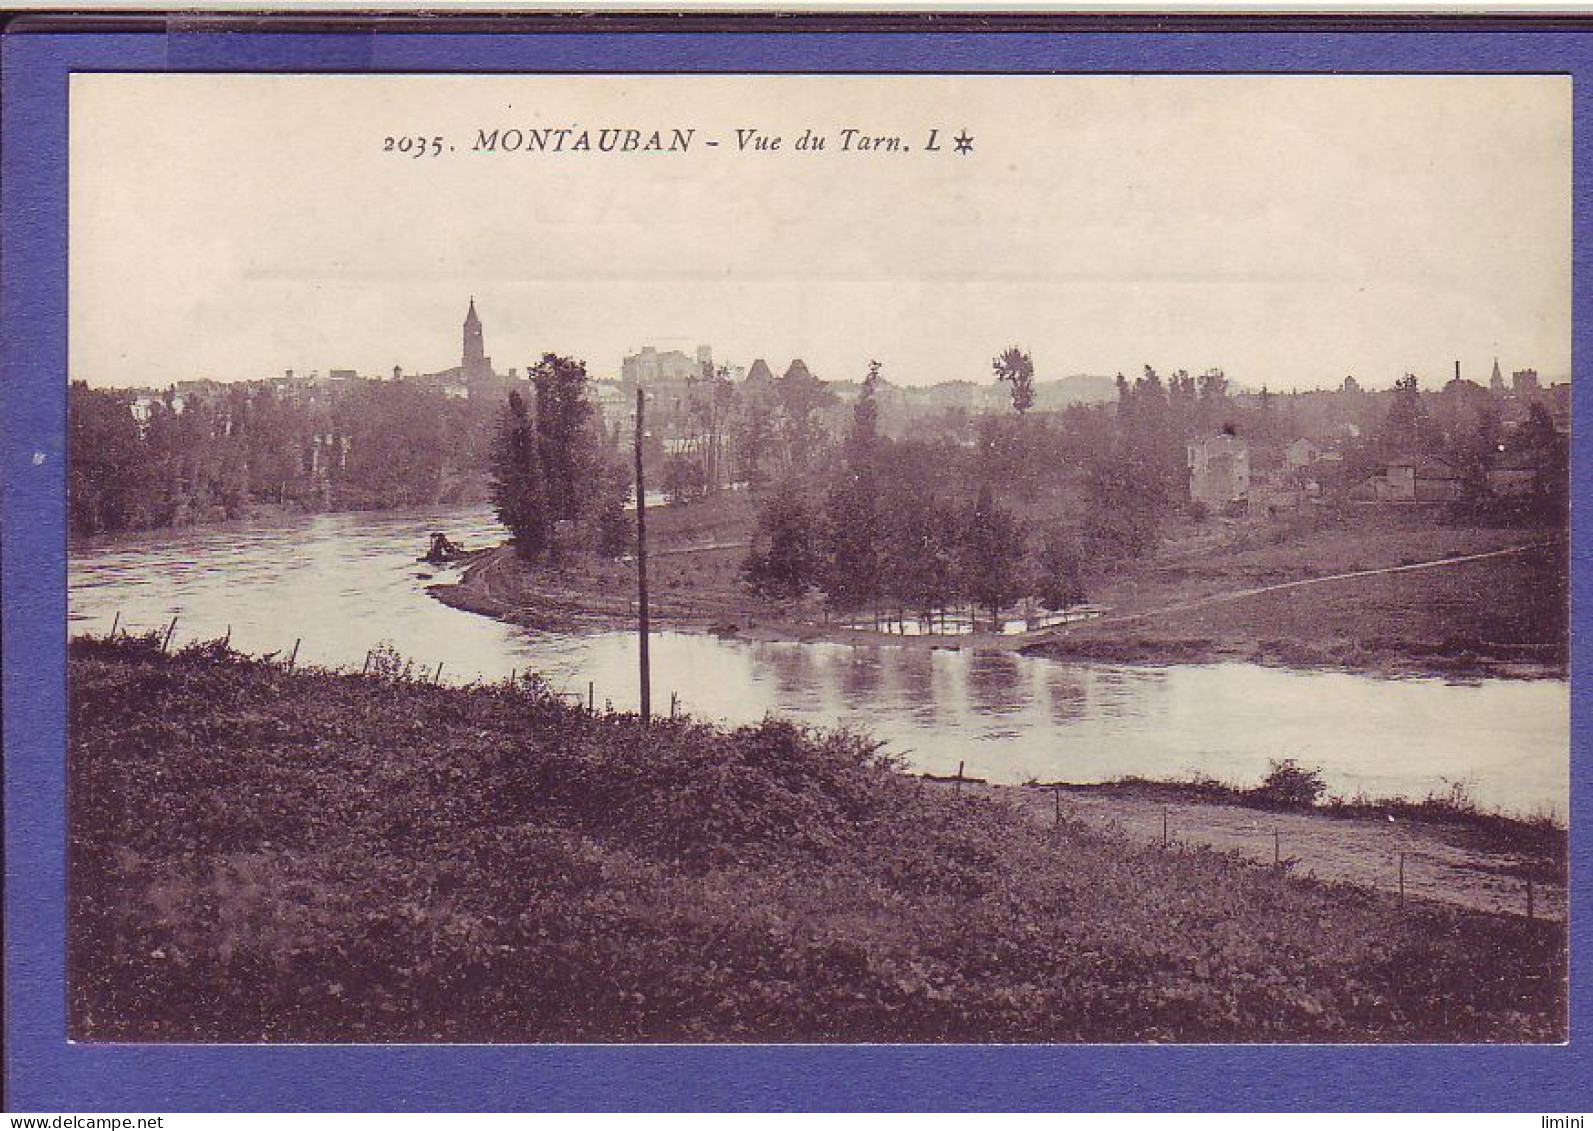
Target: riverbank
264, 855
1453, 853
1374, 594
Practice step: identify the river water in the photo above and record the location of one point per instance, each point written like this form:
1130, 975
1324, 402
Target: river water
341, 584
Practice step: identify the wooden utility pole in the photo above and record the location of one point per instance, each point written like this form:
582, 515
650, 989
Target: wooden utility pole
641, 562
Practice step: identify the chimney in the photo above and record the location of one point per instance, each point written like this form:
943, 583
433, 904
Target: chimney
1457, 369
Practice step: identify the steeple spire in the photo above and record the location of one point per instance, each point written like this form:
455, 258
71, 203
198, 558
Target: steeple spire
474, 364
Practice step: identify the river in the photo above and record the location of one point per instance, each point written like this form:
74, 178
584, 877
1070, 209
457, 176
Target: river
340, 584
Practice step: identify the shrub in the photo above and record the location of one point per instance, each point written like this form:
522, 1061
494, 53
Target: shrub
387, 662
1290, 785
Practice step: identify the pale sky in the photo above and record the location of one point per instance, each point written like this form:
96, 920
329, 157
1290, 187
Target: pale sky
1291, 230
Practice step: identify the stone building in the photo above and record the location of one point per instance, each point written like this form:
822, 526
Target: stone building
1219, 470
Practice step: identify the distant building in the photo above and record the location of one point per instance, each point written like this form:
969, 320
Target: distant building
798, 371
474, 364
1524, 382
617, 409
649, 366
1411, 481
760, 379
1219, 470
1301, 453
474, 375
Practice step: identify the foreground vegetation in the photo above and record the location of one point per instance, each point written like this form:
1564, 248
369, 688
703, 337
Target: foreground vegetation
264, 855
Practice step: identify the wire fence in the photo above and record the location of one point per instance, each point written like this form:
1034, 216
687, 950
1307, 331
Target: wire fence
1398, 858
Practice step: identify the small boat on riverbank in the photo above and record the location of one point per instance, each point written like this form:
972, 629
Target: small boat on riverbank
444, 551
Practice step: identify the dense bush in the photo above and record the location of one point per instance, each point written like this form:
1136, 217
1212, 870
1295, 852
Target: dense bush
1289, 785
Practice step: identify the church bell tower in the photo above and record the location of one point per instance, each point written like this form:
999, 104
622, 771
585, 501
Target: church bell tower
475, 364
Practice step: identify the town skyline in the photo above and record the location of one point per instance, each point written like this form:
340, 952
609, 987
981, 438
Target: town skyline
520, 362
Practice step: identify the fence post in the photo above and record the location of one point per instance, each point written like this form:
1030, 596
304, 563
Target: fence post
227, 643
1056, 795
115, 624
1402, 879
170, 628
437, 677
293, 659
591, 696
959, 777
1277, 849
1164, 826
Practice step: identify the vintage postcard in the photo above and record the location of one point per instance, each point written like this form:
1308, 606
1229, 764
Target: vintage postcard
794, 559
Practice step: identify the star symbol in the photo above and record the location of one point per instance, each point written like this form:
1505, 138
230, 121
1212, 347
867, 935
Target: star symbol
964, 142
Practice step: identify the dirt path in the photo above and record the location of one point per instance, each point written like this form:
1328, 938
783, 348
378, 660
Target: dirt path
711, 547
1255, 591
1439, 865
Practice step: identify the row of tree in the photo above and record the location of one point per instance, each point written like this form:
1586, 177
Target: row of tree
907, 527
197, 458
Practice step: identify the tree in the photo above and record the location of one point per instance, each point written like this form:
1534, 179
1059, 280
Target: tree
711, 403
851, 576
918, 552
517, 485
783, 562
1212, 406
1403, 426
612, 481
565, 444
991, 553
801, 396
685, 480
863, 438
1016, 368
754, 439
1474, 448
1059, 573
397, 443
107, 480
1550, 487
1126, 503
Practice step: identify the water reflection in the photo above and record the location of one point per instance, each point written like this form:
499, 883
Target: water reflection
342, 583
994, 684
1067, 698
915, 676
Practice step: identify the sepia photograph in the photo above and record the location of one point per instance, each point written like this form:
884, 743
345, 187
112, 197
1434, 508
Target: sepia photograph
818, 559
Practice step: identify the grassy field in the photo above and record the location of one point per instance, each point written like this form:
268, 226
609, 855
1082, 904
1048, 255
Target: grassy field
259, 855
1500, 614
